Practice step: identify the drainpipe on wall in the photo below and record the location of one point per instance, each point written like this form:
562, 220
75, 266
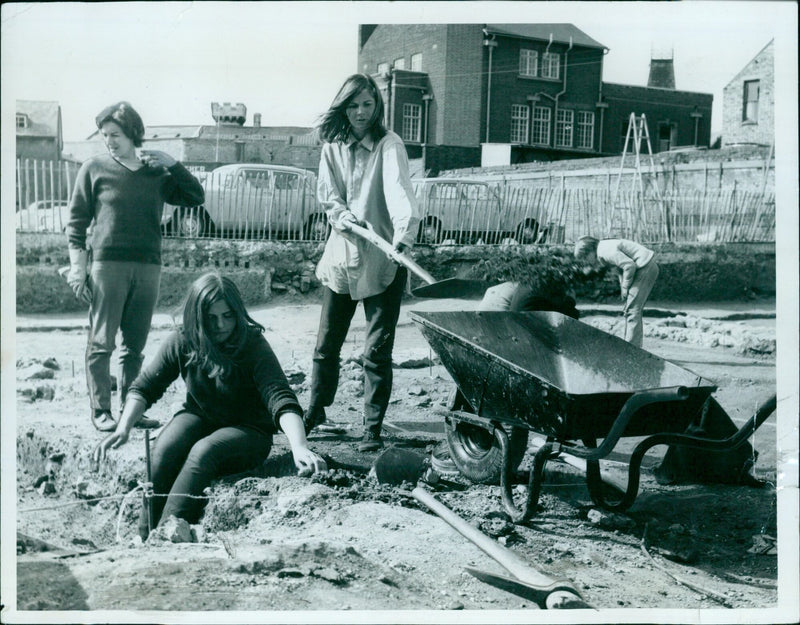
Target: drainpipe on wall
391, 100
601, 105
563, 91
491, 44
427, 97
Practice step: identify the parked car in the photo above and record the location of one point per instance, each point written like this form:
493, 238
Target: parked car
253, 200
470, 211
44, 216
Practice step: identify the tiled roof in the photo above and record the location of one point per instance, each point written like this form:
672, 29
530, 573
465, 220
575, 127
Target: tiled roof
42, 118
561, 33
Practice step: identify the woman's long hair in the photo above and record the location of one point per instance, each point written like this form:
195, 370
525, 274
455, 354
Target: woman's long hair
215, 360
334, 125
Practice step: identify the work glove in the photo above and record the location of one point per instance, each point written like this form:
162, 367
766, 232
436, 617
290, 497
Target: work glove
77, 278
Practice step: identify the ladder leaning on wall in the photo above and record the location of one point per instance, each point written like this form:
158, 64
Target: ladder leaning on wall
630, 217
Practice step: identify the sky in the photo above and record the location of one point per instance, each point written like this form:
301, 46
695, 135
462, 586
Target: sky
286, 60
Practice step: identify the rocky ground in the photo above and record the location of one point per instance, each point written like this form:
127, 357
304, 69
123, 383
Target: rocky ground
341, 541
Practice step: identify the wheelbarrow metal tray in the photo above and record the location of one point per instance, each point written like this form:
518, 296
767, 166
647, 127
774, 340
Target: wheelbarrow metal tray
556, 375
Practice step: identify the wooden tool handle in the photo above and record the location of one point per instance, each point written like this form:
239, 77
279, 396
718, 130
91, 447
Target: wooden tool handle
507, 558
373, 237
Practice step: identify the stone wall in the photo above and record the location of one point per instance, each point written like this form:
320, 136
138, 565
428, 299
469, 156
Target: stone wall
689, 272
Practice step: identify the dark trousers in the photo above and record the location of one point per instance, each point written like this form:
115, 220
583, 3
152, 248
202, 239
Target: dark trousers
188, 455
382, 312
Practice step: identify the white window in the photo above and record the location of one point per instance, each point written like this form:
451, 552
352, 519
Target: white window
564, 126
383, 68
412, 114
541, 125
528, 59
416, 62
399, 63
750, 108
519, 123
22, 120
550, 64
585, 130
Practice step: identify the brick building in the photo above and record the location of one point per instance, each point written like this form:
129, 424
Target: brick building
536, 89
748, 102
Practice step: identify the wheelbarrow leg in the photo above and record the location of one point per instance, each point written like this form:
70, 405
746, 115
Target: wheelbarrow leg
598, 489
534, 480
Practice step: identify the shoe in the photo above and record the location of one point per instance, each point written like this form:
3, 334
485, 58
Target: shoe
146, 423
371, 441
103, 421
313, 417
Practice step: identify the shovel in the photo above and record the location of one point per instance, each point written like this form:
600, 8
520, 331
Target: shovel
397, 465
451, 287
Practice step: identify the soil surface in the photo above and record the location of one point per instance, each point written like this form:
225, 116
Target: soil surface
273, 541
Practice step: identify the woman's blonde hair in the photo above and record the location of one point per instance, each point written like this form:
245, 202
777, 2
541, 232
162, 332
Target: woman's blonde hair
585, 246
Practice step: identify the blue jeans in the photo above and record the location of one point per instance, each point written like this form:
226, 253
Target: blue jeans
124, 296
188, 455
382, 312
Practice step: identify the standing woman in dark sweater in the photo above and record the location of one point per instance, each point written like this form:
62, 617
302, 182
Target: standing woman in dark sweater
124, 195
237, 397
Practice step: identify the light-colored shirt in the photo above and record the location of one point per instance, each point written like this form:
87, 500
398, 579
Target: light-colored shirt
371, 181
626, 255
498, 297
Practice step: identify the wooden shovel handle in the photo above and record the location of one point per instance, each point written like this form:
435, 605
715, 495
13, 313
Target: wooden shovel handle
507, 558
368, 234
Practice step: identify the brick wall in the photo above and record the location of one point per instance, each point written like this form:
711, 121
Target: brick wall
734, 129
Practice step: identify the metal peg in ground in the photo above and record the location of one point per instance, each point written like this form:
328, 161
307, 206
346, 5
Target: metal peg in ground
395, 466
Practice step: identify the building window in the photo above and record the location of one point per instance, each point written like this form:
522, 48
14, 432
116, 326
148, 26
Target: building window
412, 114
550, 64
399, 63
585, 136
528, 60
22, 120
383, 68
750, 108
519, 123
564, 121
541, 125
416, 62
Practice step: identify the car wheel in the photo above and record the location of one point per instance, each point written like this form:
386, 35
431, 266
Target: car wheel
317, 228
528, 232
476, 452
191, 222
430, 231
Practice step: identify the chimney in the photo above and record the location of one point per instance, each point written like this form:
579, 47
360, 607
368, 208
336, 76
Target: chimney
662, 70
256, 120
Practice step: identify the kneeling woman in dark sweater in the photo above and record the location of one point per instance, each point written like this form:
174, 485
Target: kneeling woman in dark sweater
237, 397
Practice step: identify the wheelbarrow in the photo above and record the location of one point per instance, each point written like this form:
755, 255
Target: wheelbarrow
518, 372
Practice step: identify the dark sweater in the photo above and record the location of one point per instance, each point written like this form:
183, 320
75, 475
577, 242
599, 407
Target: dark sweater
255, 394
126, 206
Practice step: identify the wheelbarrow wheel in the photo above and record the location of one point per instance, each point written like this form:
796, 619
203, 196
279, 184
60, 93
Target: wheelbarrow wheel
476, 451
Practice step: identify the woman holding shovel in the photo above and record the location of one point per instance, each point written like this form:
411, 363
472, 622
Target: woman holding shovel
638, 271
363, 180
237, 397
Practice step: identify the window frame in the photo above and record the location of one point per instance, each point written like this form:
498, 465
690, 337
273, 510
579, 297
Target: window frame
750, 106
547, 65
412, 113
522, 126
418, 57
565, 128
542, 122
526, 55
21, 117
584, 129
383, 67
399, 63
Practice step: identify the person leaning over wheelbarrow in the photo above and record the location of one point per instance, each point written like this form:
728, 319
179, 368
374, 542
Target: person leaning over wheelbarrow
638, 273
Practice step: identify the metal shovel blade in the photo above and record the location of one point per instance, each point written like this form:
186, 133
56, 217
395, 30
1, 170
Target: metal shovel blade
453, 288
536, 594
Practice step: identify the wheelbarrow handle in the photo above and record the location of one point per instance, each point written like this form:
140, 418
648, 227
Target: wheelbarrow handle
382, 244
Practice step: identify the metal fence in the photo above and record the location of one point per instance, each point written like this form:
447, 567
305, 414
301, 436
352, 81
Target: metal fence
280, 204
